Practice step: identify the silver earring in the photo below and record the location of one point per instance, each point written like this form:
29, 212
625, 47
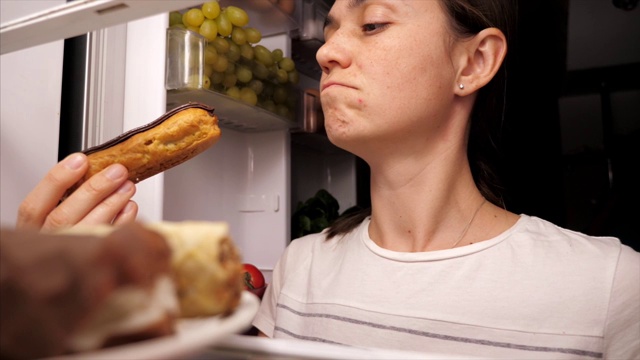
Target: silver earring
461, 86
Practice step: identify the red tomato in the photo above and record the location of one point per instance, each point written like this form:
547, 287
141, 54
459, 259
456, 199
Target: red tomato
253, 278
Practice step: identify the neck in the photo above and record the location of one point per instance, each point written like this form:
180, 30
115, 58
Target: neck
426, 207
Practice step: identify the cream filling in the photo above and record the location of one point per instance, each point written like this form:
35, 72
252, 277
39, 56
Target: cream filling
126, 311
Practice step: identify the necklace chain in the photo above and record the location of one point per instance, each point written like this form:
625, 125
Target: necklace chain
466, 228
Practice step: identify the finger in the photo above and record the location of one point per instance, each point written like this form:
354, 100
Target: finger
107, 210
128, 214
37, 205
87, 197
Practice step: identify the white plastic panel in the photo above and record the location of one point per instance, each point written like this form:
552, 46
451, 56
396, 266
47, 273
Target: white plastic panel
242, 180
30, 113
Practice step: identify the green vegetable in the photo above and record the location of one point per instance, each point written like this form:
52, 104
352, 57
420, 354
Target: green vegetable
314, 215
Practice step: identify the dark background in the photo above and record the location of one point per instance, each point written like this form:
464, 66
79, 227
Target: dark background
592, 188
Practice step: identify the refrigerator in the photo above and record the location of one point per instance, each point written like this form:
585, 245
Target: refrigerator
252, 178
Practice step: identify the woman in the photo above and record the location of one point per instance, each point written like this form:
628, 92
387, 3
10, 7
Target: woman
434, 266
438, 265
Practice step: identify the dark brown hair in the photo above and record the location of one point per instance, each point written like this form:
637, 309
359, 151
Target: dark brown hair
467, 18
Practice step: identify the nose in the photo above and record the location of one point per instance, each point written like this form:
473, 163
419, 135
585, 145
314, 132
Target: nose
334, 52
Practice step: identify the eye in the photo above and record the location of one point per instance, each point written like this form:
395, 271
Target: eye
368, 28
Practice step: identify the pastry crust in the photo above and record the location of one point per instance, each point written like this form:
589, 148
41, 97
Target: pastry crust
206, 265
170, 140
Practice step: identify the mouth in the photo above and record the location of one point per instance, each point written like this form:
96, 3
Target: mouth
333, 84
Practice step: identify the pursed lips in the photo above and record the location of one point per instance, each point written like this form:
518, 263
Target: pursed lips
333, 84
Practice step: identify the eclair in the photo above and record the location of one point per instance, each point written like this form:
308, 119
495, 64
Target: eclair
175, 137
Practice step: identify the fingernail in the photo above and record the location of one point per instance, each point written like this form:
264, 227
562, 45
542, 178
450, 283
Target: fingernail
115, 172
128, 208
74, 162
126, 187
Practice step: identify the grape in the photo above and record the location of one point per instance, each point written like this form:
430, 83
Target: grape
287, 64
294, 77
269, 105
280, 95
229, 80
218, 88
273, 71
193, 17
282, 76
211, 9
224, 25
237, 16
260, 71
221, 64
207, 70
234, 63
210, 54
209, 29
217, 77
248, 96
257, 86
221, 45
282, 110
278, 55
175, 18
234, 51
231, 68
253, 35
267, 91
206, 82
234, 92
244, 74
238, 36
246, 51
263, 55
179, 26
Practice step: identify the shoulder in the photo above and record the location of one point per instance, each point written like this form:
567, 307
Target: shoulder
555, 250
319, 248
543, 233
321, 242
307, 243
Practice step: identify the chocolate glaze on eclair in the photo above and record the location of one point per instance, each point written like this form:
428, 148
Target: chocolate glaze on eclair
120, 138
175, 137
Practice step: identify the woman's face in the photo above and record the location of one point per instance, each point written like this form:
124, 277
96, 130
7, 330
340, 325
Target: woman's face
388, 76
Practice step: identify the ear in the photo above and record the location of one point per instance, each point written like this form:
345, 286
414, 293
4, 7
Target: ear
479, 60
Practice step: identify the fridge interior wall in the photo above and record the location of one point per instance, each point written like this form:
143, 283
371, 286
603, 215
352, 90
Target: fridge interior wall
242, 180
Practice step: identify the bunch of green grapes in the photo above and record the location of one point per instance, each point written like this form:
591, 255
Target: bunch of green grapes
235, 64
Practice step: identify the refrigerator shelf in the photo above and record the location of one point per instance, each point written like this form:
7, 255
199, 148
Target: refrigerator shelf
232, 114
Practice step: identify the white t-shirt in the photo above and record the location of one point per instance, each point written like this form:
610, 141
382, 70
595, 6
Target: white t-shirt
537, 291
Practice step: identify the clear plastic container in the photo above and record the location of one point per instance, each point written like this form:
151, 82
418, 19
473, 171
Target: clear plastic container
195, 63
185, 60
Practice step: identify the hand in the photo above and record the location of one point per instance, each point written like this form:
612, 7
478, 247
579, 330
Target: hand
103, 199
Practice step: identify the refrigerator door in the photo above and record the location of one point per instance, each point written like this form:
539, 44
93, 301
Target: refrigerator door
79, 17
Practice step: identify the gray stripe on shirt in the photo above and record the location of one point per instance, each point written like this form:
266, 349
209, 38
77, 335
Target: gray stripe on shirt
597, 355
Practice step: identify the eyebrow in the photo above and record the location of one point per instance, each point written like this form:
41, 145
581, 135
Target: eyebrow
329, 20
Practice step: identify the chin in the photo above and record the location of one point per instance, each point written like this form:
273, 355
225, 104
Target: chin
348, 141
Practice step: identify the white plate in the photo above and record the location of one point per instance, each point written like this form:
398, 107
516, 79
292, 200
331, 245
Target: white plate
193, 335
